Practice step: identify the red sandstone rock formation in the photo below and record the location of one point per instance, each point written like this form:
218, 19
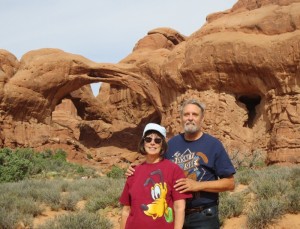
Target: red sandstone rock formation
244, 63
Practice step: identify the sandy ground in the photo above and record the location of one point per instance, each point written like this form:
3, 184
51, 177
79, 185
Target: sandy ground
288, 221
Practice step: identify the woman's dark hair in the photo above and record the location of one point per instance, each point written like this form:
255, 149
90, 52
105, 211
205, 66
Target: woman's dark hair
164, 145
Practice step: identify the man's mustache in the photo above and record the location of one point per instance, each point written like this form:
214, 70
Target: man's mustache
190, 123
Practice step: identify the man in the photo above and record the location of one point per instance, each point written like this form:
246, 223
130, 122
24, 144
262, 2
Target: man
206, 165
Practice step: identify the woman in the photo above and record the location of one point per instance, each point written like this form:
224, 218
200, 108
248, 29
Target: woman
149, 199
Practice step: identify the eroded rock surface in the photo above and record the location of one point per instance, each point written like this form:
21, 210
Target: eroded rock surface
244, 63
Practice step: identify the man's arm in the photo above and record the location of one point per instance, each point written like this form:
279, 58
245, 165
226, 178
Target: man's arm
124, 216
130, 171
179, 207
189, 185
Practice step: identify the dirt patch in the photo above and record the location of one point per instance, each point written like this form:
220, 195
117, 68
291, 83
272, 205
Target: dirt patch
288, 221
235, 223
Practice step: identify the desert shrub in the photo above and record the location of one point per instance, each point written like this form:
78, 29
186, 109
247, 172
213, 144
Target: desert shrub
37, 191
277, 193
51, 198
116, 172
21, 201
100, 202
27, 206
293, 201
271, 182
265, 212
12, 198
245, 176
78, 220
68, 201
46, 191
230, 205
294, 176
246, 160
293, 196
15, 209
64, 185
8, 219
107, 195
84, 188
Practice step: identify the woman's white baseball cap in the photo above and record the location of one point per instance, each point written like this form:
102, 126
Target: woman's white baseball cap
153, 126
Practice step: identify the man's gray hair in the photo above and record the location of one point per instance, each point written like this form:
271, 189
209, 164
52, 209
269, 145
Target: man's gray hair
195, 102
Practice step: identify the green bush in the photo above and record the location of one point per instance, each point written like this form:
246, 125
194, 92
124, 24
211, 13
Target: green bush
60, 155
25, 163
116, 173
14, 166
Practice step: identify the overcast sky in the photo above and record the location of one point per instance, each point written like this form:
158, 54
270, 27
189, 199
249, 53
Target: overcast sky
100, 30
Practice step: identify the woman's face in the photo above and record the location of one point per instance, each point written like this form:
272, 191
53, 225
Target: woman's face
152, 144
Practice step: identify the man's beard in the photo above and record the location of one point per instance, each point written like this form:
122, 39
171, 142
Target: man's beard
191, 128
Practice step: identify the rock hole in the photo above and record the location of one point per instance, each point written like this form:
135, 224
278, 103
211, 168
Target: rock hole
251, 101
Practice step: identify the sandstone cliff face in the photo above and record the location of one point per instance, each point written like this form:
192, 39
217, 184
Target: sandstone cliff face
244, 63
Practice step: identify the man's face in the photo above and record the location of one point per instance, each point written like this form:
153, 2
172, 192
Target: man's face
191, 118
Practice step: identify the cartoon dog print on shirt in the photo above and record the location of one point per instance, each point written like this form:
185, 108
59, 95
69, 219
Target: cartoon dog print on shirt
159, 206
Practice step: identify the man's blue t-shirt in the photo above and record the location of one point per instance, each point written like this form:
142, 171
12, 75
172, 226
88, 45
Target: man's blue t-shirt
203, 160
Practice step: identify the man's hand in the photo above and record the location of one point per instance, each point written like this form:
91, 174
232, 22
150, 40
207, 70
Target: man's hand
186, 185
190, 185
130, 171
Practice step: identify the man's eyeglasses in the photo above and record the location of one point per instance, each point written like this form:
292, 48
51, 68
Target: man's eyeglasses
156, 140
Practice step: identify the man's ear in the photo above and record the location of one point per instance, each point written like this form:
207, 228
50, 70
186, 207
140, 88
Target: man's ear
202, 117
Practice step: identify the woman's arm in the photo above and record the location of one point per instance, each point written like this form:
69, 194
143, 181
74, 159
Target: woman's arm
130, 171
179, 208
124, 216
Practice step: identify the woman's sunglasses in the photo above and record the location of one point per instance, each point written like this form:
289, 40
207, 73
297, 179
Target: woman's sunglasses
156, 140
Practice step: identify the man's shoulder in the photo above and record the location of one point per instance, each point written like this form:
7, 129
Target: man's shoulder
176, 137
210, 137
214, 142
